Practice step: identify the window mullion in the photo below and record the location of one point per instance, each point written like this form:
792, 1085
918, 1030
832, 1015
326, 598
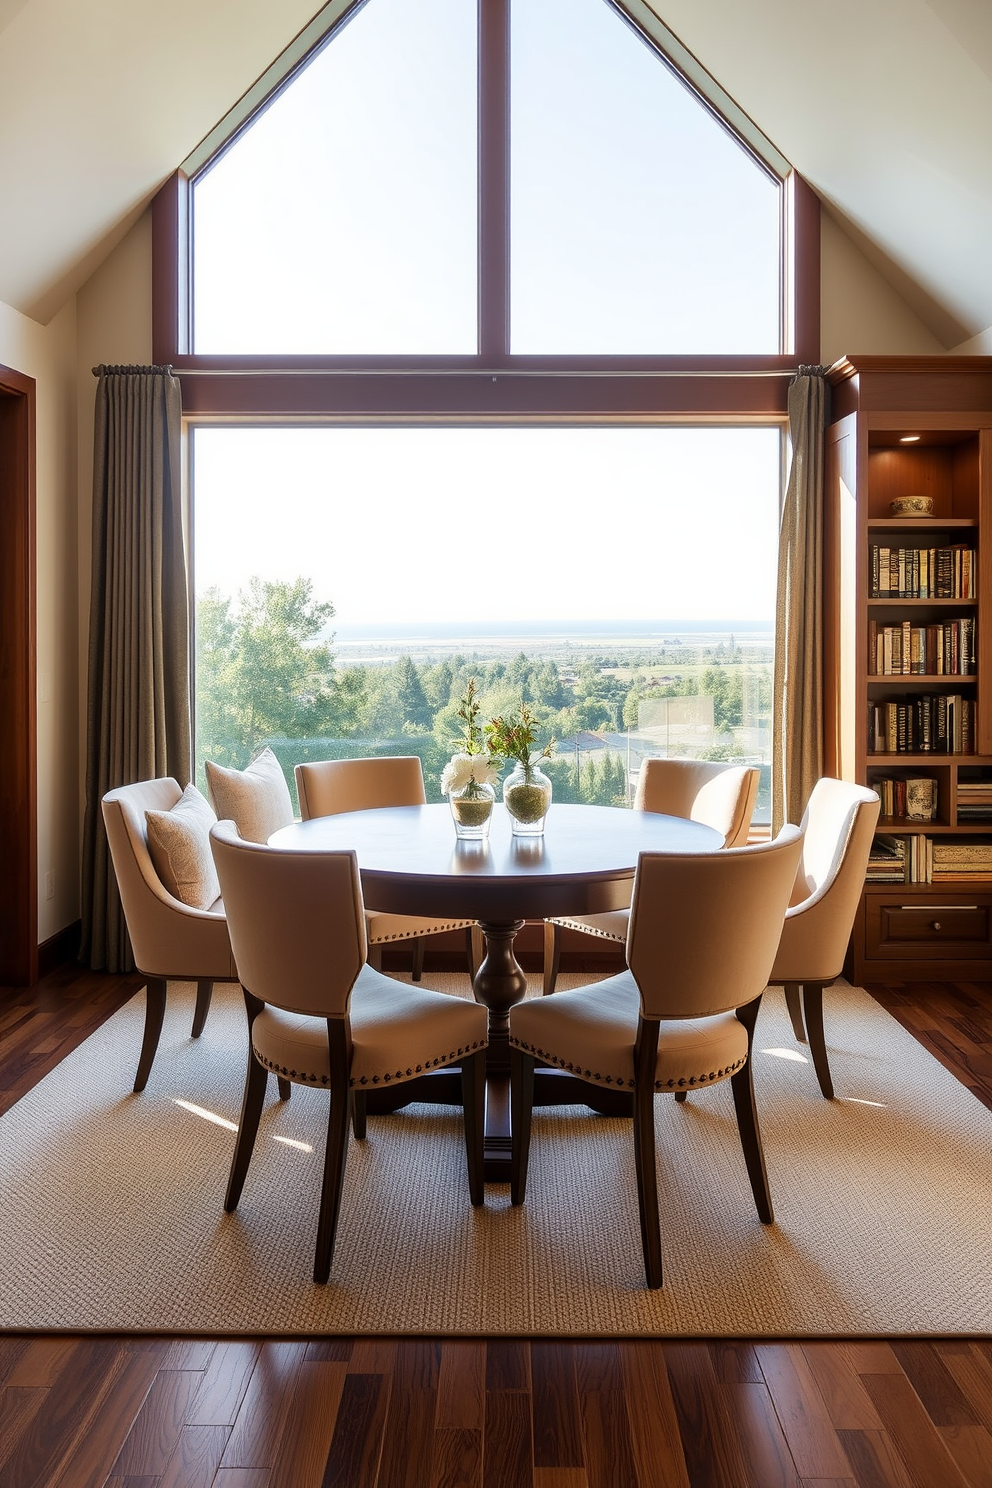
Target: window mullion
494, 180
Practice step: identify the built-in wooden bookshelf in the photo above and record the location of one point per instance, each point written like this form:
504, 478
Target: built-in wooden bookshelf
908, 620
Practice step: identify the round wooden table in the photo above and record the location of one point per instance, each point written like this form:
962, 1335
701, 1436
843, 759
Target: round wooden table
412, 863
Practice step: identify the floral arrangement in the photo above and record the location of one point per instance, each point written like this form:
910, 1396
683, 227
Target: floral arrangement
515, 737
474, 765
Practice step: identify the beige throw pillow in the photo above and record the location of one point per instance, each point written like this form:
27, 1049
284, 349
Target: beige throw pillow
256, 799
179, 843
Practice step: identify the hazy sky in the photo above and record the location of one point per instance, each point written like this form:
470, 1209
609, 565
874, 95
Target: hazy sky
445, 524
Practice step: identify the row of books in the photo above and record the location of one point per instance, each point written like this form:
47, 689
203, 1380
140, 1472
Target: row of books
914, 798
919, 859
943, 649
932, 723
974, 800
923, 573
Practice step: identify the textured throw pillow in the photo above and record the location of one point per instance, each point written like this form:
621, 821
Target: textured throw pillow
257, 799
179, 843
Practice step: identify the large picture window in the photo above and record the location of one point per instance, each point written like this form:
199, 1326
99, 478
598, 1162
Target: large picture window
350, 582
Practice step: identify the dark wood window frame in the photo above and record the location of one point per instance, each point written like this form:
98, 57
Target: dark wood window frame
494, 383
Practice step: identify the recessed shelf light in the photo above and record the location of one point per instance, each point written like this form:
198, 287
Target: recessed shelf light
908, 438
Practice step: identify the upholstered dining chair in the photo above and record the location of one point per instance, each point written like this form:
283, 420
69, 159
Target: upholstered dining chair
838, 827
721, 796
173, 938
319, 1015
328, 787
702, 937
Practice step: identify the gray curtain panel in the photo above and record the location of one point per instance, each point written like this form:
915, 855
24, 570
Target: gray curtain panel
138, 698
797, 698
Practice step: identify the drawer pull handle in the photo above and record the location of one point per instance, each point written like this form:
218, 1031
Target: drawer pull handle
936, 924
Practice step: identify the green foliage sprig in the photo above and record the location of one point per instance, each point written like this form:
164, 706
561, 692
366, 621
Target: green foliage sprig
514, 736
472, 740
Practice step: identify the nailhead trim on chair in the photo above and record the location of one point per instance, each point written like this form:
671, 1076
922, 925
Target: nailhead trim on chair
587, 929
661, 1085
424, 930
303, 1077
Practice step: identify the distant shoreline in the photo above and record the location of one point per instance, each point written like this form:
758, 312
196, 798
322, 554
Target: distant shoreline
657, 632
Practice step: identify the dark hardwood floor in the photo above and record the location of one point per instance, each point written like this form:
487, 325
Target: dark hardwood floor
148, 1412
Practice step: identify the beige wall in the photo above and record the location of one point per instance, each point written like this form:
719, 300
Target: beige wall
110, 321
48, 354
859, 311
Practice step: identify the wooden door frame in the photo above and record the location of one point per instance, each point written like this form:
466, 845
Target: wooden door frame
18, 683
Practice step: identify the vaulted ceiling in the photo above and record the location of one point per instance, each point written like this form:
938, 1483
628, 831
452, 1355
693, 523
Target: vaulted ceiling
885, 106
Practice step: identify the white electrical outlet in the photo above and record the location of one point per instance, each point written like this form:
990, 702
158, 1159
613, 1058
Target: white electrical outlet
49, 885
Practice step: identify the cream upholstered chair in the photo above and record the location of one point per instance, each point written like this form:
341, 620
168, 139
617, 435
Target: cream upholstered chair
332, 786
838, 825
721, 796
319, 1015
172, 940
703, 934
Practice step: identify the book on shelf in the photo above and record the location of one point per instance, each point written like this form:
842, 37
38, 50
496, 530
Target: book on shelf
914, 798
974, 800
929, 723
940, 649
969, 860
887, 860
922, 573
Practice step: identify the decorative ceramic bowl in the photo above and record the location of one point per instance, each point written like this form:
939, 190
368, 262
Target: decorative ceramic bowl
912, 506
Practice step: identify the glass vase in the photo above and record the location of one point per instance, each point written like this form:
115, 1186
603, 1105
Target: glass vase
527, 796
472, 809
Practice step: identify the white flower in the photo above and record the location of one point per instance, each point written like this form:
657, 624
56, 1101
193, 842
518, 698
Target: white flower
461, 768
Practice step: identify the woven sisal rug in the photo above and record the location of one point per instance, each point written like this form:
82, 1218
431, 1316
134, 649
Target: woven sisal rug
111, 1217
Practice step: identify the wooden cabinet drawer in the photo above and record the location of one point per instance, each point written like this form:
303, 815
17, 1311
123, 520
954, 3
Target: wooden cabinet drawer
936, 928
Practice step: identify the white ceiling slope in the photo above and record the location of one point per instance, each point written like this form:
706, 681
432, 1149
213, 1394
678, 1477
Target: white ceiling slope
885, 106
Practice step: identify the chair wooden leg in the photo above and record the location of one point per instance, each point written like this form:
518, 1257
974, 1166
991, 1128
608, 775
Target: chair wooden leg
417, 965
793, 1001
552, 956
474, 1102
285, 1087
813, 1009
647, 1182
204, 992
475, 949
256, 1080
521, 1108
742, 1086
359, 1114
680, 1095
375, 957
335, 1158
155, 995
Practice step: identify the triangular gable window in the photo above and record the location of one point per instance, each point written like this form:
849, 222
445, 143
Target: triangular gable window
494, 179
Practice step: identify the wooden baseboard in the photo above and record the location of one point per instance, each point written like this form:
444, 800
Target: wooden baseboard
59, 948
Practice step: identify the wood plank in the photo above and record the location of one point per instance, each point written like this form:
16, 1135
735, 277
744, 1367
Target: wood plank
461, 1389
224, 1383
972, 1371
195, 1457
305, 1444
871, 1357
242, 1477
802, 1412
417, 1365
934, 1384
713, 1455
734, 1362
42, 1360
329, 1350
560, 1477
356, 1447
408, 1439
912, 1433
89, 1458
457, 1459
507, 1456
971, 1448
260, 1420
557, 1418
507, 1364
654, 1429
372, 1356
766, 1454
89, 1371
874, 1460
19, 1404
158, 1425
845, 1397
